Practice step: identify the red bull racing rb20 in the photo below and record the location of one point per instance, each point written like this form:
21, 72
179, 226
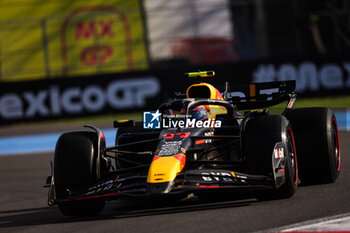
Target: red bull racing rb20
202, 140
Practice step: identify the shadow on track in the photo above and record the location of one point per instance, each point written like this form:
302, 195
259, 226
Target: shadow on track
119, 209
138, 208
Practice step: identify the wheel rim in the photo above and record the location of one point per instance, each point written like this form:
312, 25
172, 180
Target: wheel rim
336, 146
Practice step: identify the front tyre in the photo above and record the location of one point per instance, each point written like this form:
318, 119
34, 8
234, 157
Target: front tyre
75, 169
291, 168
260, 137
82, 208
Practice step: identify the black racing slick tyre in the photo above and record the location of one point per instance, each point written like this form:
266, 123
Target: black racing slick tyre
317, 142
260, 137
83, 208
75, 170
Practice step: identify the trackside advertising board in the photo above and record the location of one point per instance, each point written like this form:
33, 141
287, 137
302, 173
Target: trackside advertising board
45, 39
311, 77
72, 97
146, 90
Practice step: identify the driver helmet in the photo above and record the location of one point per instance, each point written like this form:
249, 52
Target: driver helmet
199, 113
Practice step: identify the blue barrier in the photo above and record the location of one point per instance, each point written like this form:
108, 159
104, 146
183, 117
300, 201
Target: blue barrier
343, 120
40, 143
46, 142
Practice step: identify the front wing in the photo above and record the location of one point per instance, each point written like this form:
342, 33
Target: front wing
135, 185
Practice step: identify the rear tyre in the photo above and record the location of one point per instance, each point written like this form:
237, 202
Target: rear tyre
317, 142
260, 137
75, 169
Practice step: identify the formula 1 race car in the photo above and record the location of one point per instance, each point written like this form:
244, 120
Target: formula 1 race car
196, 143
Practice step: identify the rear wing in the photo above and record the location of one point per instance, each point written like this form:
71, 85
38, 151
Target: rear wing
256, 95
262, 95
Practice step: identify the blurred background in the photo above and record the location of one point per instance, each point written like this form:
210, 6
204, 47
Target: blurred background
68, 59
66, 63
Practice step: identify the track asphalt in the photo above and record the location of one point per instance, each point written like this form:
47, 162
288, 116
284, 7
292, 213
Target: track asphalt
23, 205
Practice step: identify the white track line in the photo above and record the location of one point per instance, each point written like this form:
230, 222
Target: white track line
328, 224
